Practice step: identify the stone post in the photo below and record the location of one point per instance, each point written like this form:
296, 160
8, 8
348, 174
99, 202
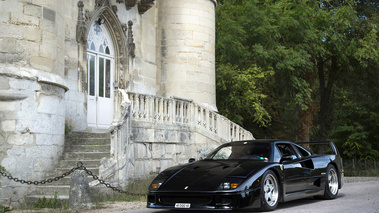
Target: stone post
80, 194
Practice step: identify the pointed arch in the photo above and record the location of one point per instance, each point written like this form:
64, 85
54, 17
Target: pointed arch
117, 38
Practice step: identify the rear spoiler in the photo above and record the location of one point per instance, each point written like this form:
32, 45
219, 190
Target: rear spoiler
320, 147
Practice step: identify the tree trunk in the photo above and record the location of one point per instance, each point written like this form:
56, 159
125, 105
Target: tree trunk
325, 95
306, 116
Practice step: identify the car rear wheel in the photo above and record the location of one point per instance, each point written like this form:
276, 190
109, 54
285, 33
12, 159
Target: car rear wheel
269, 191
332, 183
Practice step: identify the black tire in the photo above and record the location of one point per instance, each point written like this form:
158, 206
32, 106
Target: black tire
269, 191
331, 183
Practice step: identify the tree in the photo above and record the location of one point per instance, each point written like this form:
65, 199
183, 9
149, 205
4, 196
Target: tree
317, 50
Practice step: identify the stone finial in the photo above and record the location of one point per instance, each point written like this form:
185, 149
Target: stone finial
80, 194
131, 44
81, 25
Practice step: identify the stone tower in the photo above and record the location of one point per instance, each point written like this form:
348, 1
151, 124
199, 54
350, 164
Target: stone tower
32, 85
186, 31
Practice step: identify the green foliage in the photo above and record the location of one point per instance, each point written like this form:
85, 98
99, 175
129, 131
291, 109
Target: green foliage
48, 203
239, 93
68, 126
4, 170
5, 209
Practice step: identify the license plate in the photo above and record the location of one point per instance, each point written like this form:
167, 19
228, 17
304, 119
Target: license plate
183, 205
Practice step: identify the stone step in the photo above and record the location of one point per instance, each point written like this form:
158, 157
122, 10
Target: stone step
79, 156
88, 141
67, 180
51, 190
88, 148
104, 135
94, 170
74, 163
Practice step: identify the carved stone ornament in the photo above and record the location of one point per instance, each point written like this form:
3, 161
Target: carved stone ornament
130, 4
81, 28
145, 5
131, 44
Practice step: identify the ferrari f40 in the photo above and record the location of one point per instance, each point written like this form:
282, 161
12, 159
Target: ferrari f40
254, 174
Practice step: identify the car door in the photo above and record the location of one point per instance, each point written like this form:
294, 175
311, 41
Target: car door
296, 174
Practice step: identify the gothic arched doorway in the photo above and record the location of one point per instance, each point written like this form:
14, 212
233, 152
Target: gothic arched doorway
100, 69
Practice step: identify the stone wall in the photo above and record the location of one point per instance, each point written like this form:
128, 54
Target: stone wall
32, 91
31, 127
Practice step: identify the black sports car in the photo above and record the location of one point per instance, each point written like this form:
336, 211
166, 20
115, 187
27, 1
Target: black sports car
248, 175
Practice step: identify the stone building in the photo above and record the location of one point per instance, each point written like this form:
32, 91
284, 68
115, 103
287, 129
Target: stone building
142, 71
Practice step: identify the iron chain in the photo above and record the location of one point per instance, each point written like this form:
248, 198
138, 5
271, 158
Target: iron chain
80, 166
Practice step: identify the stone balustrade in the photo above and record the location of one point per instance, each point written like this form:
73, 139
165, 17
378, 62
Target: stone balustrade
185, 112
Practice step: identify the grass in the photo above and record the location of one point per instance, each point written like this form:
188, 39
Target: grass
5, 209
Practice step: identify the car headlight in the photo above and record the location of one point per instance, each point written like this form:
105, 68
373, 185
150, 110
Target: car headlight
156, 184
230, 184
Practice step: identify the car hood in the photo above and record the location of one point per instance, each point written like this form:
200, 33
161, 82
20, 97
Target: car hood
207, 175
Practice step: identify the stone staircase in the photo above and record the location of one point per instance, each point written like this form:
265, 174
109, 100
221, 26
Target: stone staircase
87, 147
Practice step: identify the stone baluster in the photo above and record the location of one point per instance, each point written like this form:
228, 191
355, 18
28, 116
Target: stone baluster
215, 119
156, 108
171, 110
186, 112
136, 105
160, 109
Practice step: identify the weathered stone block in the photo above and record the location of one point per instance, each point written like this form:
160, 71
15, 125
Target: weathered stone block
8, 125
12, 6
80, 193
21, 139
28, 48
33, 10
48, 14
25, 20
8, 45
42, 63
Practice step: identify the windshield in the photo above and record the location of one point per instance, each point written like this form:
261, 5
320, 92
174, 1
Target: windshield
242, 150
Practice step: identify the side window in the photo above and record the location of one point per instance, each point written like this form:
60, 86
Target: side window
277, 154
302, 151
287, 150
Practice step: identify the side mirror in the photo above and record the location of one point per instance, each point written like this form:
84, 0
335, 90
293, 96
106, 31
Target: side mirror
286, 158
191, 160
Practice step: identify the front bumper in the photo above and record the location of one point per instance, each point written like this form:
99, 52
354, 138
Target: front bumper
249, 199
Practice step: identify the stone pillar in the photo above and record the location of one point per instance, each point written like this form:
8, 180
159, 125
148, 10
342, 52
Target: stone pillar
80, 193
186, 31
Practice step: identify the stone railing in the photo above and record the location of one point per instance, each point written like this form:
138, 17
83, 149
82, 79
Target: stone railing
125, 163
185, 112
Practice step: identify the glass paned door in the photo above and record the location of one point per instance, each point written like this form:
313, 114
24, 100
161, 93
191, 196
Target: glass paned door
100, 100
100, 60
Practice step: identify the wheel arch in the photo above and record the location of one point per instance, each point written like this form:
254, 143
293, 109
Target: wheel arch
280, 177
338, 172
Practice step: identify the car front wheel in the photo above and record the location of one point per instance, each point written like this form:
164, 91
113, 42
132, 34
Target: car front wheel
332, 183
269, 191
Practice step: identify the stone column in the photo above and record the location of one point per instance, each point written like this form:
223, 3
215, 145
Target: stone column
186, 30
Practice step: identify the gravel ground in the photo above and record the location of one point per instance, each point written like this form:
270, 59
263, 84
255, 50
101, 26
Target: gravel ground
122, 206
